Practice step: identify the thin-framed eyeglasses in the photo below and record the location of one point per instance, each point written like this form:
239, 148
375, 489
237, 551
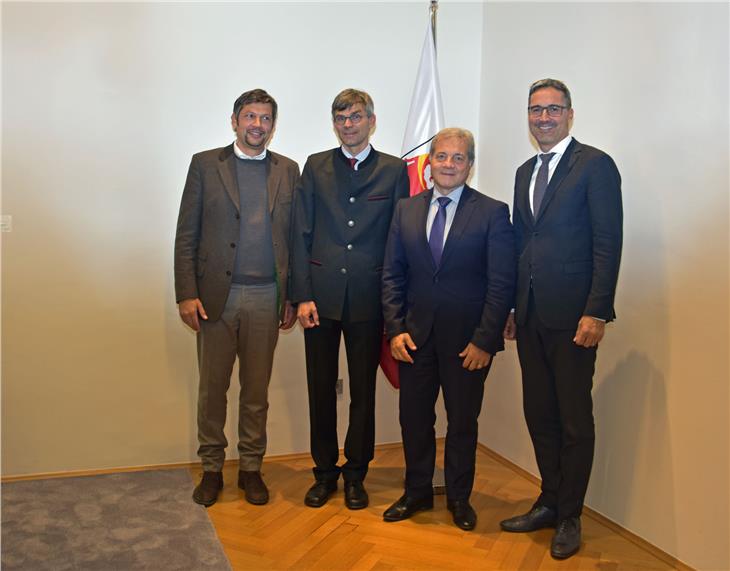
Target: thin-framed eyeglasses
354, 118
552, 110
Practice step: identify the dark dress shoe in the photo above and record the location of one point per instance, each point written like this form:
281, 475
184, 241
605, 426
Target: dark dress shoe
356, 498
537, 518
566, 541
253, 485
319, 493
407, 506
206, 493
463, 514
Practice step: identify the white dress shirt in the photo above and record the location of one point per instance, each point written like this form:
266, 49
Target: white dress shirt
454, 196
361, 156
559, 150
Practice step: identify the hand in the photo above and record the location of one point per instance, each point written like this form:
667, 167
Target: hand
289, 317
590, 332
307, 314
474, 357
510, 328
189, 310
399, 346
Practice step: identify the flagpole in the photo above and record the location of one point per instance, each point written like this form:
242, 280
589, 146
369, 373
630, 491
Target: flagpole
434, 8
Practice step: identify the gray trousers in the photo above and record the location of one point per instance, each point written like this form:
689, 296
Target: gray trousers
249, 328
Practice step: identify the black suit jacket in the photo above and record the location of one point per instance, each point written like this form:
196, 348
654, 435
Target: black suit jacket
571, 252
468, 296
341, 220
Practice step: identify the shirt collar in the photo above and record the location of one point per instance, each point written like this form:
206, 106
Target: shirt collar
361, 156
454, 195
241, 155
559, 148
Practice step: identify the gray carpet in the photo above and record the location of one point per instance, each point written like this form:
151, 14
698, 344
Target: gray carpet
116, 522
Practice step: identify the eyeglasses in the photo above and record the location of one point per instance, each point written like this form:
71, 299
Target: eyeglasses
355, 118
552, 110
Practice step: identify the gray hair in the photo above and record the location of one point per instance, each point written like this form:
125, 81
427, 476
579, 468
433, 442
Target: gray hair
555, 84
349, 97
455, 132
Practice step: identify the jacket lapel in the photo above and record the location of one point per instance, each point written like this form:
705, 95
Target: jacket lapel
522, 202
572, 152
273, 178
421, 219
461, 218
227, 172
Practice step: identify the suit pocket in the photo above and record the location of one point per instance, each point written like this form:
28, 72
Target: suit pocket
585, 267
375, 197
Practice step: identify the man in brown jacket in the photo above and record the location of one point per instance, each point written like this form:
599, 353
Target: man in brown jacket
231, 268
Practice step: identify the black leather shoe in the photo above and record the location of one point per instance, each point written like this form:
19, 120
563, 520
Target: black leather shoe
537, 518
463, 514
356, 498
406, 507
319, 493
206, 493
253, 485
566, 541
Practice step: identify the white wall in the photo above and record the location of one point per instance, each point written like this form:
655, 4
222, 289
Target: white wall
650, 87
103, 105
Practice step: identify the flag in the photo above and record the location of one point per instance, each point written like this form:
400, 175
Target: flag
425, 119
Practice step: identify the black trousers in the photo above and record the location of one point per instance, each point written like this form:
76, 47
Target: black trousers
557, 378
322, 347
433, 369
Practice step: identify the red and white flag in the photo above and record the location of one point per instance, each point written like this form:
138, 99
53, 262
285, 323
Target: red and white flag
425, 119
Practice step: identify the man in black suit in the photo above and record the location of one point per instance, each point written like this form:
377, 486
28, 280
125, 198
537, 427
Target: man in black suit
342, 212
568, 220
448, 286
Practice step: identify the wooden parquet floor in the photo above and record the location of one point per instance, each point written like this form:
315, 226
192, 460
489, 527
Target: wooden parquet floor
286, 534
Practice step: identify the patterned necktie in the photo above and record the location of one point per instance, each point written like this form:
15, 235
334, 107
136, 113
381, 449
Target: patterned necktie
541, 183
436, 238
353, 162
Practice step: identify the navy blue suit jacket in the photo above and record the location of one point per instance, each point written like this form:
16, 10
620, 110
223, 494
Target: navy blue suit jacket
468, 296
571, 252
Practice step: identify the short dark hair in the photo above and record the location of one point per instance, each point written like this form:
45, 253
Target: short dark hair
254, 96
349, 97
555, 84
455, 133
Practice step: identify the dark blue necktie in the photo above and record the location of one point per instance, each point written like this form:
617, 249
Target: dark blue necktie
541, 182
436, 238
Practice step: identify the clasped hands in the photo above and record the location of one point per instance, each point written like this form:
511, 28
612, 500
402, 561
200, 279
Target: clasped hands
474, 357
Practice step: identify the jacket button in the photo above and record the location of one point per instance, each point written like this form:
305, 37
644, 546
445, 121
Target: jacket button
352, 199
238, 216
343, 271
228, 273
535, 234
233, 245
350, 223
349, 246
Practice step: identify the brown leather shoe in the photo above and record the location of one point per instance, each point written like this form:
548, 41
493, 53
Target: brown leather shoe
206, 492
253, 485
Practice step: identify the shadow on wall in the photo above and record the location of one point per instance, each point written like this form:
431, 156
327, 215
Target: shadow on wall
632, 420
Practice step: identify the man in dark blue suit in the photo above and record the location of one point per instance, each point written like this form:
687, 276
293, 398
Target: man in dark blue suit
448, 286
568, 218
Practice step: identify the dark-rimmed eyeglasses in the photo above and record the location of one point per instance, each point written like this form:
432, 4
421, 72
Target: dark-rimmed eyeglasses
552, 110
354, 118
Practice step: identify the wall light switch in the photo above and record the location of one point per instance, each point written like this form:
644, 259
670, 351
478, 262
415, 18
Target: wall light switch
6, 223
